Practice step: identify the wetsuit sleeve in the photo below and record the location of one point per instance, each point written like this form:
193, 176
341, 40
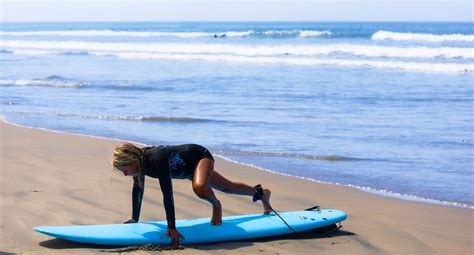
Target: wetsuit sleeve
167, 190
137, 197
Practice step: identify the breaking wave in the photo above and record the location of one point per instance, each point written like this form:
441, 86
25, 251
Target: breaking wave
84, 48
387, 35
288, 155
51, 81
401, 58
138, 118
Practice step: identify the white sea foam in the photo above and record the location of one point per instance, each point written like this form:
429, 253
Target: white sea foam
136, 118
306, 55
238, 34
446, 68
311, 33
244, 50
280, 32
409, 66
29, 52
294, 33
387, 35
37, 82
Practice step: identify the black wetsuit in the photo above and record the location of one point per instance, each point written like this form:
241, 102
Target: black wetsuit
165, 163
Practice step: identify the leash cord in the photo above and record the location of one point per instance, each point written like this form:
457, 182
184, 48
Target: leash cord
300, 234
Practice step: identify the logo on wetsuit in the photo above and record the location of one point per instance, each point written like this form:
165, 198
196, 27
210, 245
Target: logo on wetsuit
176, 162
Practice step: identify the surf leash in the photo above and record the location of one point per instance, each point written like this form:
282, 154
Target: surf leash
294, 231
259, 195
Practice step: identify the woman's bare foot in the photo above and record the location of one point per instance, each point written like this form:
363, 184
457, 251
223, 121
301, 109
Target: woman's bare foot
216, 213
266, 201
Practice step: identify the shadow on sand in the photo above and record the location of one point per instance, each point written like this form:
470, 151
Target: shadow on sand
232, 245
6, 253
61, 244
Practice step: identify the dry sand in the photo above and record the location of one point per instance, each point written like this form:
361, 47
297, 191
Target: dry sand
50, 178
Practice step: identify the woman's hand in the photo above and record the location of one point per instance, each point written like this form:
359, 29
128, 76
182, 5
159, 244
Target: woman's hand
175, 235
130, 221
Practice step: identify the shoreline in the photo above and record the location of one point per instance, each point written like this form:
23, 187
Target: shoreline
51, 178
370, 190
367, 189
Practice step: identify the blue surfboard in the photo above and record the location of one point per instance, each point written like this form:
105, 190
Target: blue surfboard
197, 231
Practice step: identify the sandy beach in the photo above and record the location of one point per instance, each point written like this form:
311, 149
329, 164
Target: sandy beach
50, 178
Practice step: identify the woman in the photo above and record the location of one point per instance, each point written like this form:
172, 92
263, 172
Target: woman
188, 161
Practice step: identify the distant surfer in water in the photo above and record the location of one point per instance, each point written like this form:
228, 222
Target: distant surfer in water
188, 161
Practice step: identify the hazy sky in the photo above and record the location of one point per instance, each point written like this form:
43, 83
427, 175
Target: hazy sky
236, 10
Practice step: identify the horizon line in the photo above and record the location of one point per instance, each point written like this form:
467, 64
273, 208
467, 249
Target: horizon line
243, 21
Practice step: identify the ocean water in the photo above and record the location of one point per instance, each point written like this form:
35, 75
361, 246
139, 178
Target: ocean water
384, 107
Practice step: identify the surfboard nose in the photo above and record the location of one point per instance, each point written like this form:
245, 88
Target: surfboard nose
40, 230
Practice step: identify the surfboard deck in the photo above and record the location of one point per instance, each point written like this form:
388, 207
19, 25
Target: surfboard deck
197, 231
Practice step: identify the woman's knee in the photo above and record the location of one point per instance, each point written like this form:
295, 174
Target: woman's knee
201, 190
202, 175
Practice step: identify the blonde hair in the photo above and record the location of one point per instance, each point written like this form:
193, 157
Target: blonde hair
125, 154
